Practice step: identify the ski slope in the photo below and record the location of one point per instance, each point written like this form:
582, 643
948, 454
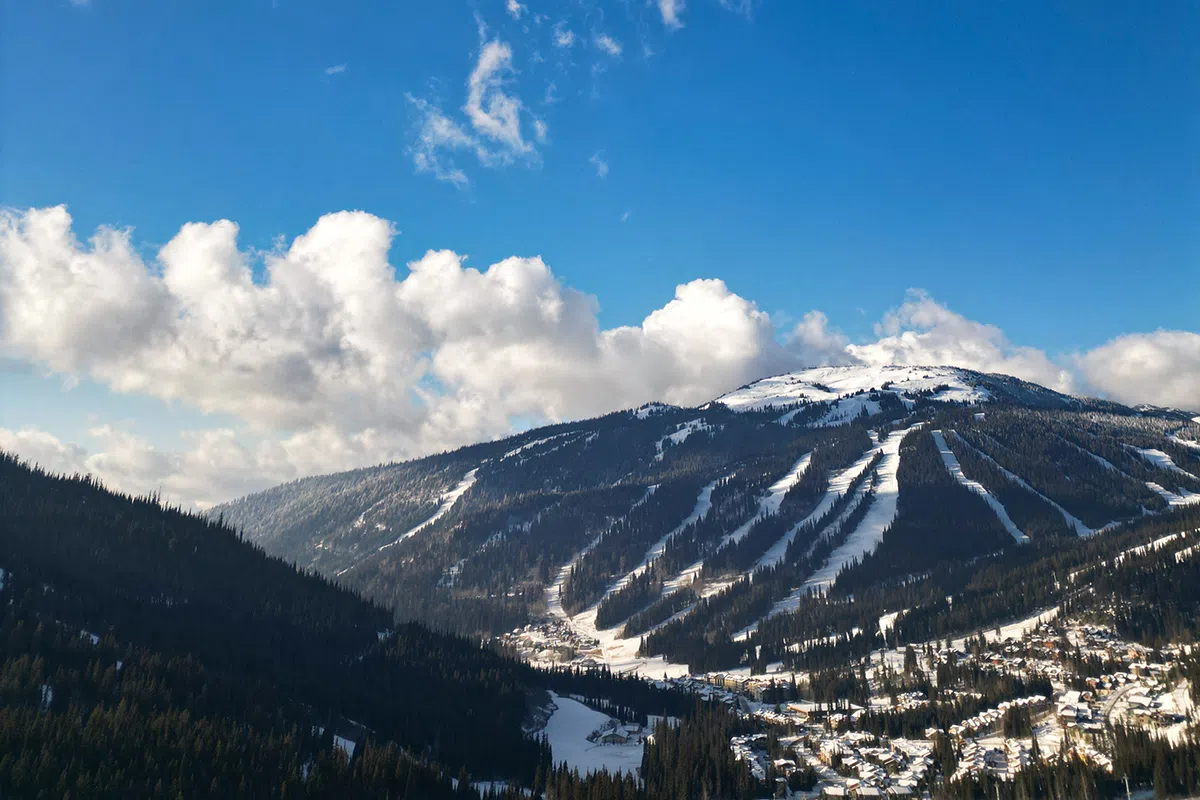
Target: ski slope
838, 485
703, 504
447, 502
951, 462
869, 533
769, 503
1161, 460
1071, 520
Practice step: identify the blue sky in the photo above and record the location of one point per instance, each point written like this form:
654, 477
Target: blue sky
1031, 165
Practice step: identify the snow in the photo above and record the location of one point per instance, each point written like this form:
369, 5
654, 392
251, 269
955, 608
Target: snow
846, 410
3, 578
345, 745
1174, 500
447, 502
824, 384
951, 462
869, 533
534, 443
681, 435
649, 409
567, 731
47, 696
1080, 528
838, 485
1188, 443
1161, 460
553, 595
888, 621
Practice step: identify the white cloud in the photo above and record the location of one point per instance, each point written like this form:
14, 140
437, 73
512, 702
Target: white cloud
550, 97
922, 331
336, 69
564, 37
625, 216
335, 359
494, 113
515, 9
1162, 368
493, 131
336, 353
670, 10
597, 161
608, 44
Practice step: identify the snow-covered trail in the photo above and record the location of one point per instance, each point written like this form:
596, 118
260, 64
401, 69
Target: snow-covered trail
792, 601
769, 503
447, 502
1163, 461
552, 595
838, 485
1174, 500
951, 462
1071, 520
703, 504
869, 532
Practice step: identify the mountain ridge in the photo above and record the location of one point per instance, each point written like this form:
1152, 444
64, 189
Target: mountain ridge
870, 468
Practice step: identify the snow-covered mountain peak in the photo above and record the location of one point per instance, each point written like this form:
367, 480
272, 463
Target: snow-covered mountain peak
825, 384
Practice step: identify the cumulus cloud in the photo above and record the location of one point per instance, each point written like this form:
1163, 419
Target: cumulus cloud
922, 331
493, 130
514, 9
336, 69
1162, 368
335, 351
334, 358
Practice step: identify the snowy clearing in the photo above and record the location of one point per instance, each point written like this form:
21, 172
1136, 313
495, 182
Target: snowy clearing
568, 729
846, 410
951, 462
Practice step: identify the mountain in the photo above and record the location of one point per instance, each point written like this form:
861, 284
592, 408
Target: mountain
668, 537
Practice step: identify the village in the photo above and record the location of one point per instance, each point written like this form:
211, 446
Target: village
807, 749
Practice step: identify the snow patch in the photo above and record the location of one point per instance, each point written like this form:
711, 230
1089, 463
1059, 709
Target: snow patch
681, 435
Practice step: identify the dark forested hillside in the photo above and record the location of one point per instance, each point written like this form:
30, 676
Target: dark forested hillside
145, 651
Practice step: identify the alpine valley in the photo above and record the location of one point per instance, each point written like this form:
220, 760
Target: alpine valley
895, 581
